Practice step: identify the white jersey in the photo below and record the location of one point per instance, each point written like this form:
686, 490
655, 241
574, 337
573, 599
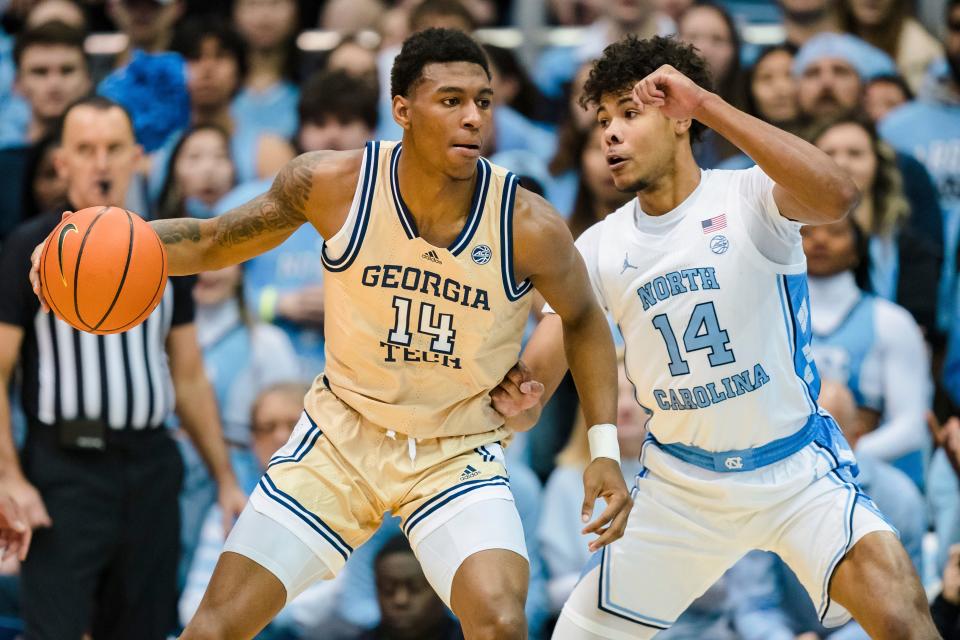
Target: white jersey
711, 299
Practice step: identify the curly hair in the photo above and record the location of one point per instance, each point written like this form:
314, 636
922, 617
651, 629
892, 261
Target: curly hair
890, 206
630, 60
430, 46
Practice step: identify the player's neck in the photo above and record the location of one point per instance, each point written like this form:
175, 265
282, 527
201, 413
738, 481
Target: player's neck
672, 188
435, 199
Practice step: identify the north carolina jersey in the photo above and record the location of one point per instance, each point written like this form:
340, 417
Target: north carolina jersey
418, 335
717, 333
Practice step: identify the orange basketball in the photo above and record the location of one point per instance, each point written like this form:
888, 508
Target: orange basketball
103, 270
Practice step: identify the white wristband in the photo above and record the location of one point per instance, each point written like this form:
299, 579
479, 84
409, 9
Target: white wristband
603, 442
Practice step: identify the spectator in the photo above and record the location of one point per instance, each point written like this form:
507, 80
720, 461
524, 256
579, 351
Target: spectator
355, 58
772, 89
267, 101
557, 65
710, 28
100, 471
512, 85
770, 602
563, 547
148, 24
596, 194
337, 111
803, 19
867, 343
215, 65
351, 16
900, 263
929, 129
65, 11
575, 123
409, 608
946, 607
43, 187
883, 94
889, 27
52, 73
275, 411
199, 173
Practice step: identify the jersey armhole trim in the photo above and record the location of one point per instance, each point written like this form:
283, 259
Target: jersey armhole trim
513, 290
371, 164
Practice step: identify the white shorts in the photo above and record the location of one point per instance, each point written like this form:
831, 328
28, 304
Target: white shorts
488, 524
689, 525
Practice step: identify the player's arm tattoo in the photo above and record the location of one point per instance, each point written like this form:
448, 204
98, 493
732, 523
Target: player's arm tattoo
178, 230
280, 209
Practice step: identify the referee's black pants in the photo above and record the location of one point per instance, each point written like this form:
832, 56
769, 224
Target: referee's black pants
108, 565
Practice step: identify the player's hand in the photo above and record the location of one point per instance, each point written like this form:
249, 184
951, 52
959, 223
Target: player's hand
676, 95
948, 437
232, 500
302, 307
15, 533
518, 393
603, 479
35, 268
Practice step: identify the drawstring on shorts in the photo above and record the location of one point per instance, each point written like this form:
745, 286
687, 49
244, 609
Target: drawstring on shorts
411, 444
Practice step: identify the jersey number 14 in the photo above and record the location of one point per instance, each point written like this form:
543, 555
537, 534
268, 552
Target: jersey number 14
703, 332
439, 326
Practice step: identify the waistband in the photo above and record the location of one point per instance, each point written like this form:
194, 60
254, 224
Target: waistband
738, 460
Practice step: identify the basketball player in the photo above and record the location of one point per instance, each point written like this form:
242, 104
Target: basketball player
426, 300
704, 272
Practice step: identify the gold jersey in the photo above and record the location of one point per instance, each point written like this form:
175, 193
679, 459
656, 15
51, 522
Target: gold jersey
417, 335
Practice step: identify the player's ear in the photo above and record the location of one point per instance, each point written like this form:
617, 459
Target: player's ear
682, 126
401, 111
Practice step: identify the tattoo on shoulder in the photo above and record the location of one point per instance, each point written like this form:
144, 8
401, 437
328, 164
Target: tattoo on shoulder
178, 230
291, 190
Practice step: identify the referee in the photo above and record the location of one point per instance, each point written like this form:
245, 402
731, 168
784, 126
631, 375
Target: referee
100, 472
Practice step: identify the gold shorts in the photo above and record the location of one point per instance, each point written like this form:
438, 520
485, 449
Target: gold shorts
339, 473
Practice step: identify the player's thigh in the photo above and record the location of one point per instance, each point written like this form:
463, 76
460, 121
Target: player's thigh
640, 584
477, 559
877, 583
814, 531
263, 566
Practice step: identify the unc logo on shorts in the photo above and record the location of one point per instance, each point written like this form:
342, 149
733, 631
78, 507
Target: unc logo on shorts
719, 244
481, 254
734, 462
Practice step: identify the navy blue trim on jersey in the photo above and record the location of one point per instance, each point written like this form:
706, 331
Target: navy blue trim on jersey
605, 604
512, 289
306, 443
447, 495
738, 460
477, 203
311, 519
372, 157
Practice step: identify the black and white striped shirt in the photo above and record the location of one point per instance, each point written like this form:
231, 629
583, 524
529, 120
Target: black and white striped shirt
121, 379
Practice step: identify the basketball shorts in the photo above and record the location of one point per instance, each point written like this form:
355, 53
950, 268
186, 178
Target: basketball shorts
689, 525
330, 485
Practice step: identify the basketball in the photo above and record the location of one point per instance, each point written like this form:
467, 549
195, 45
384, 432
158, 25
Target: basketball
103, 270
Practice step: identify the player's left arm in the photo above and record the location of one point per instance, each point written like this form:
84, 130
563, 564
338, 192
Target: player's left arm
545, 254
196, 406
810, 187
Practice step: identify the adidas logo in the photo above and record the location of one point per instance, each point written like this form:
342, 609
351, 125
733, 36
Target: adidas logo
469, 472
432, 256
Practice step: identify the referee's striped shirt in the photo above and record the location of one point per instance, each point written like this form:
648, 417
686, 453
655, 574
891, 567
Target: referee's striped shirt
120, 379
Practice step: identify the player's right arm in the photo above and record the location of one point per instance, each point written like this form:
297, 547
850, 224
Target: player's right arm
315, 187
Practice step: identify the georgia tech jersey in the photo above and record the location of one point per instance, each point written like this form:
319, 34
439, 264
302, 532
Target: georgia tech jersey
717, 335
418, 335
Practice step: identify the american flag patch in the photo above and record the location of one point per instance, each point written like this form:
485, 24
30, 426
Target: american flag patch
714, 224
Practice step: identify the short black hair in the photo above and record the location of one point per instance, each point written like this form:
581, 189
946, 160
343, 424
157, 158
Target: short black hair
396, 544
431, 46
895, 79
53, 33
442, 8
99, 103
630, 60
339, 95
189, 36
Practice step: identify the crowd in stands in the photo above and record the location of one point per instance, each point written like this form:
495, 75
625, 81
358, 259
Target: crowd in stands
222, 93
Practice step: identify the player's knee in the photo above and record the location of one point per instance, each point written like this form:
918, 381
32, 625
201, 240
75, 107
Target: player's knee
204, 627
507, 624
